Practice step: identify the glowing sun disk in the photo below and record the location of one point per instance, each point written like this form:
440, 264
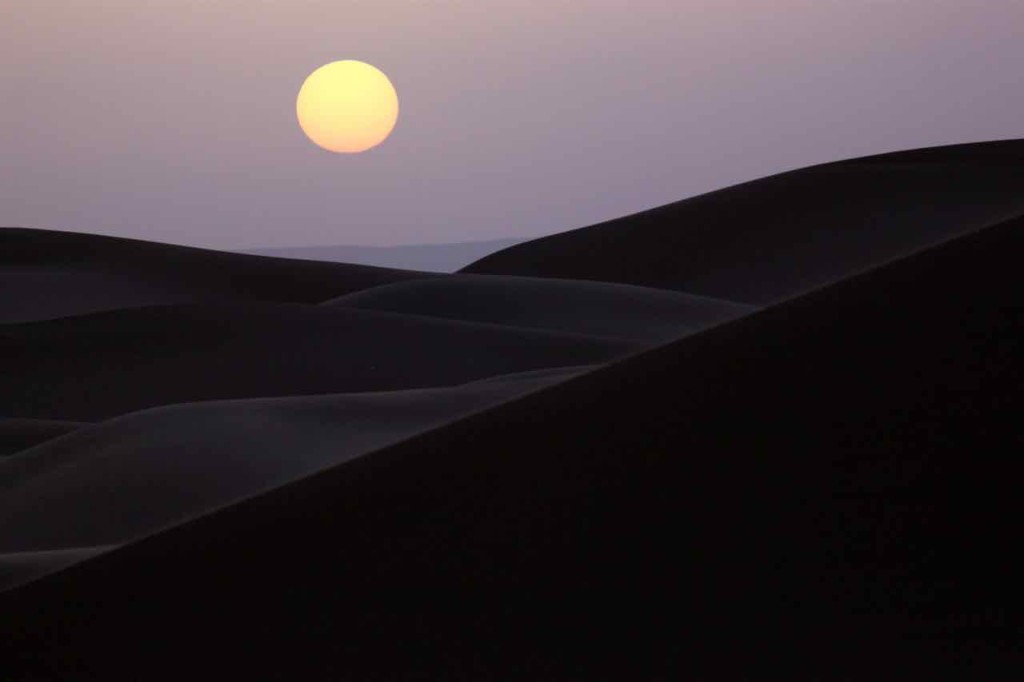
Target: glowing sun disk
347, 106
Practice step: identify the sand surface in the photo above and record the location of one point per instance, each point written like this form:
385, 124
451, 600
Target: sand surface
767, 433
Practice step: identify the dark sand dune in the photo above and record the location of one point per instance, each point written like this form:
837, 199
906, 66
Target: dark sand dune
592, 308
19, 434
819, 490
765, 240
427, 257
161, 467
56, 274
539, 374
19, 567
104, 364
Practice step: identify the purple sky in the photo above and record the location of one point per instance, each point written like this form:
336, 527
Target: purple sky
174, 120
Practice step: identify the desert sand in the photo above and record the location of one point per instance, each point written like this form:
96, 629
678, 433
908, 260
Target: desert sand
765, 433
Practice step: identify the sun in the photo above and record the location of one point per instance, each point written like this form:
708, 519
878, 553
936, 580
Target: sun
347, 106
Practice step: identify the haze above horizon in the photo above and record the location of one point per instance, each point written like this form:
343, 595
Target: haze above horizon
174, 121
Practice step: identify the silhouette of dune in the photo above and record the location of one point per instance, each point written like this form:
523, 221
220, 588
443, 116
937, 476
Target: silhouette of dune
19, 434
18, 567
163, 466
590, 308
765, 240
104, 364
826, 485
766, 433
427, 257
57, 274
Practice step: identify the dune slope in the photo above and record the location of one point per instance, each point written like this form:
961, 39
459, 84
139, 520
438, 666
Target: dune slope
97, 366
819, 490
591, 308
763, 241
164, 466
18, 434
57, 274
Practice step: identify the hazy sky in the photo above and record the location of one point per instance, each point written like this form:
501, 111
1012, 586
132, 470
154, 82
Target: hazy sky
174, 120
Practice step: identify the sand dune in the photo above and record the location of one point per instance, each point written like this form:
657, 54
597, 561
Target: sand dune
578, 480
101, 365
19, 567
57, 274
776, 237
427, 257
823, 486
591, 308
19, 434
161, 467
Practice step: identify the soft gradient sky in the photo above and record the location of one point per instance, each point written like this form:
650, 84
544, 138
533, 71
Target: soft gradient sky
174, 120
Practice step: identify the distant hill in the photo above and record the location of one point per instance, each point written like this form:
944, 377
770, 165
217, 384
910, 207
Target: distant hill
428, 257
51, 274
769, 239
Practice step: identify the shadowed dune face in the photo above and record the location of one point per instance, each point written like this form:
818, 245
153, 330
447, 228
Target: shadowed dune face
19, 434
826, 483
161, 467
57, 274
426, 257
769, 239
590, 308
102, 365
20, 567
529, 472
